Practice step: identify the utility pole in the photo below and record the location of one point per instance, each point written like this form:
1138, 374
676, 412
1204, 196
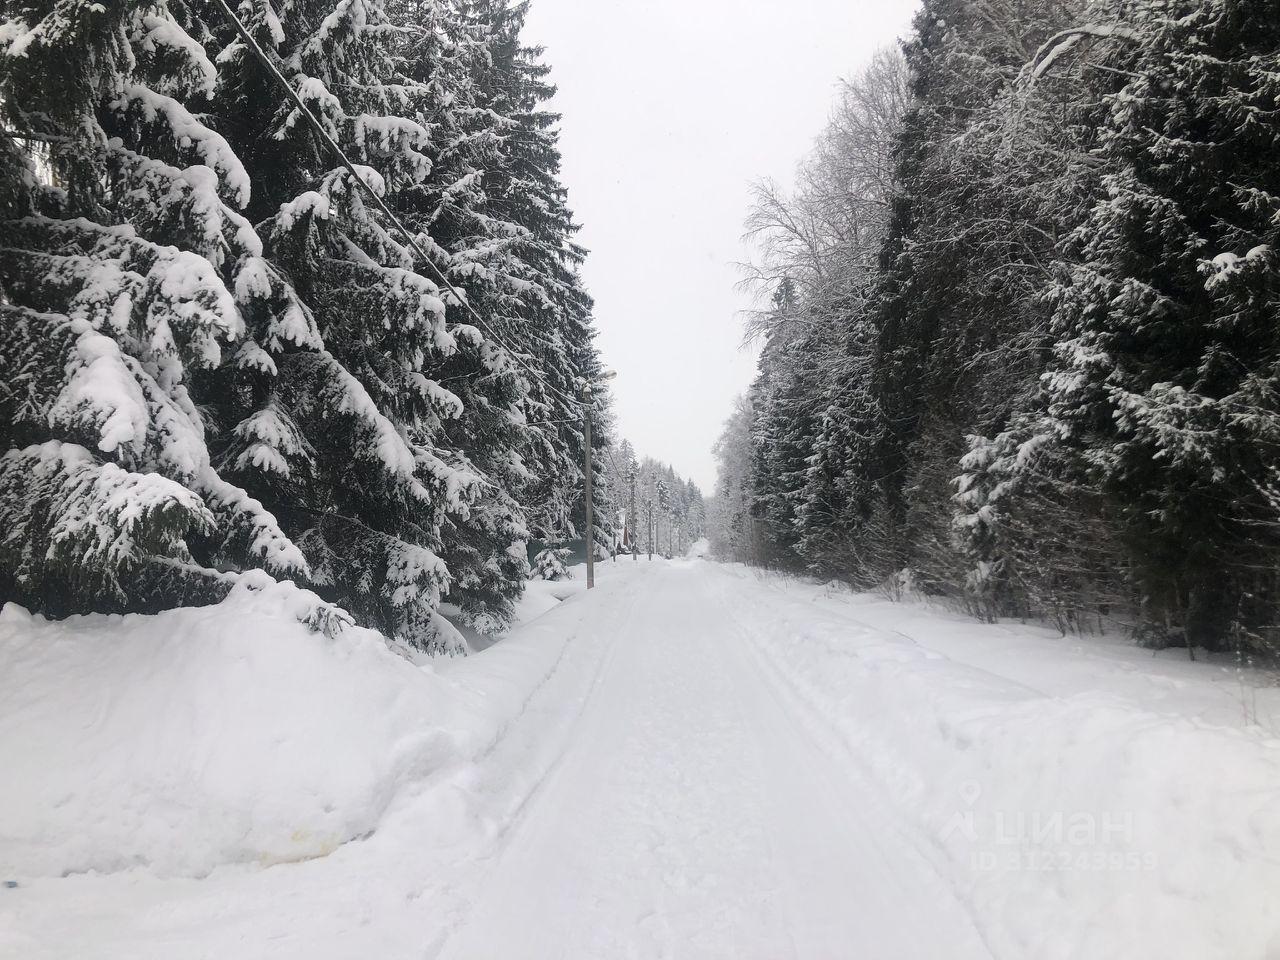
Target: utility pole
590, 470
633, 518
648, 510
586, 486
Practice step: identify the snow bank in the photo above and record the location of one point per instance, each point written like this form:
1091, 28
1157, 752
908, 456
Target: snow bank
217, 740
541, 596
202, 736
232, 734
1076, 823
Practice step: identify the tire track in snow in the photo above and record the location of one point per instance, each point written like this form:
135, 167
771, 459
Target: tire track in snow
521, 729
692, 817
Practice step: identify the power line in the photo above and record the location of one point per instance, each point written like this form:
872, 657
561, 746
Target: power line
337, 151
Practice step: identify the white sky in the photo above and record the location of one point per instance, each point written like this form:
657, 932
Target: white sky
671, 108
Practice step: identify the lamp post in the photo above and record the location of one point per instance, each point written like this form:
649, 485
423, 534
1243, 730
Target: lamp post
590, 470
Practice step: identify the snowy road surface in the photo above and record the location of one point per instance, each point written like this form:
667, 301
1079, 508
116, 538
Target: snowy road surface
691, 815
692, 761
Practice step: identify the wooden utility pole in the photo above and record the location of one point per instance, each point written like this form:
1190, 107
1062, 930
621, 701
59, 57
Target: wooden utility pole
633, 518
586, 486
648, 509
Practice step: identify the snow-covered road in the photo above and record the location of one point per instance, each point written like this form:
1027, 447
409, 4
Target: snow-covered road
694, 760
691, 815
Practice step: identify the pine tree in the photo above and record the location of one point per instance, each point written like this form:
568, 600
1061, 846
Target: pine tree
1165, 377
261, 328
125, 274
786, 422
729, 520
549, 317
840, 498
958, 329
475, 249
823, 419
549, 565
371, 489
620, 467
501, 230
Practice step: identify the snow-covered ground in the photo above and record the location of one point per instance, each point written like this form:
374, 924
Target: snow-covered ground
693, 760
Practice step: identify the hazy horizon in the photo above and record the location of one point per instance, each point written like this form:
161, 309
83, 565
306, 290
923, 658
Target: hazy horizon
646, 111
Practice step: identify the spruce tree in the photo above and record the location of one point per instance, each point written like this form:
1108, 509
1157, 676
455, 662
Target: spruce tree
1165, 377
260, 330
126, 271
549, 317
484, 547
840, 502
959, 332
371, 495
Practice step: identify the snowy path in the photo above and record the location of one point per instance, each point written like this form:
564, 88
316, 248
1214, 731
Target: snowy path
692, 816
693, 761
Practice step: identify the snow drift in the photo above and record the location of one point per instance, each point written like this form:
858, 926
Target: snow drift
202, 736
1076, 823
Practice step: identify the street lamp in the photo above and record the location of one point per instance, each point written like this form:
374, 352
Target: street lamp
586, 456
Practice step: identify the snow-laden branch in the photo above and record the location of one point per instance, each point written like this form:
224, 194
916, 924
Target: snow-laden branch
1065, 41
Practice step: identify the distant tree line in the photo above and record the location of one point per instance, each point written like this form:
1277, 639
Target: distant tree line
1021, 332
669, 512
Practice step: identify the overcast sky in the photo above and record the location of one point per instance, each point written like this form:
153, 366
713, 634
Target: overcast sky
671, 108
